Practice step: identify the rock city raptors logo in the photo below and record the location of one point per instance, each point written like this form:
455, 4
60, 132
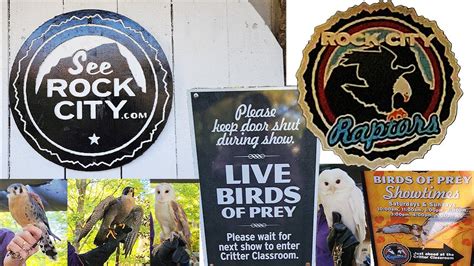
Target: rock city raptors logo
396, 253
379, 85
90, 90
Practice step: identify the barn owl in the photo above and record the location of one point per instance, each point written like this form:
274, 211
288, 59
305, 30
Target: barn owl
337, 192
170, 214
113, 212
27, 208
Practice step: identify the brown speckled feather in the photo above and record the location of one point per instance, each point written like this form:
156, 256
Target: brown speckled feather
97, 215
134, 220
181, 221
36, 198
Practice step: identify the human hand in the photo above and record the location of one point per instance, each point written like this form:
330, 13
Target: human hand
22, 246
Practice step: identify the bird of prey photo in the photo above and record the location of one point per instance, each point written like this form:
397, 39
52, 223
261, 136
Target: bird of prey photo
121, 211
430, 228
27, 208
337, 192
170, 214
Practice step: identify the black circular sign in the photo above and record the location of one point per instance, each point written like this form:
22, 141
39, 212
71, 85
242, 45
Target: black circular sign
90, 90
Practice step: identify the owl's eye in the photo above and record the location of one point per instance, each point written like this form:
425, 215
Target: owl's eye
326, 183
167, 191
158, 192
338, 181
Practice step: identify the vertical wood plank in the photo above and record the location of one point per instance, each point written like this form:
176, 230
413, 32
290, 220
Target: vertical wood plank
270, 12
71, 5
110, 5
4, 119
219, 45
25, 17
159, 161
201, 60
264, 8
255, 57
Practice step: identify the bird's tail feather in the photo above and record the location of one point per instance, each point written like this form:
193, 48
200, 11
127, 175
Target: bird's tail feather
47, 246
53, 235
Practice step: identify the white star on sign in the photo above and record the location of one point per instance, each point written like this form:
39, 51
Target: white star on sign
94, 139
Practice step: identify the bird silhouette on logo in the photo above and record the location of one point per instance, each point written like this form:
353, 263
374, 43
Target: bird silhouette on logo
378, 82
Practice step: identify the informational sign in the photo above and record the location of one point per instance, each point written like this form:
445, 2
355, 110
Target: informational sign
379, 84
257, 165
421, 218
90, 90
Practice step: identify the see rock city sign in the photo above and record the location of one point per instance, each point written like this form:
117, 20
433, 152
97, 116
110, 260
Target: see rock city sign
379, 84
90, 90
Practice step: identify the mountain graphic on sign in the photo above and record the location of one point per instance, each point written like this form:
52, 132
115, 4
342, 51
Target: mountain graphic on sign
110, 52
375, 82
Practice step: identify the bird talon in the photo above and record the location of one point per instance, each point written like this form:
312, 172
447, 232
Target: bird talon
111, 233
174, 235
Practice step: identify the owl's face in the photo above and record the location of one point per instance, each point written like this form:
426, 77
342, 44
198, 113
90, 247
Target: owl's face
164, 193
17, 189
333, 181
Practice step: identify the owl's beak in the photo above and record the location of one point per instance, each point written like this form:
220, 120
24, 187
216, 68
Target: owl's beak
332, 189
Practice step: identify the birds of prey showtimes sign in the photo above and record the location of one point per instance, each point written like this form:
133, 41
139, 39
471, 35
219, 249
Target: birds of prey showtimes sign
90, 90
420, 218
257, 165
379, 84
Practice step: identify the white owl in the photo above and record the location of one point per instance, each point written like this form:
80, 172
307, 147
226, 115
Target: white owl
337, 192
170, 214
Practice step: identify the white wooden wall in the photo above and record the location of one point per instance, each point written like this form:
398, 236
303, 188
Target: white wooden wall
4, 93
208, 44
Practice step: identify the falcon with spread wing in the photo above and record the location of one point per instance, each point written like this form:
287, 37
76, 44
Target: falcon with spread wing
430, 228
121, 211
170, 215
27, 208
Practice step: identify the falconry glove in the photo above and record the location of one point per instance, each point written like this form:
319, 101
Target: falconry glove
180, 255
101, 254
171, 253
341, 242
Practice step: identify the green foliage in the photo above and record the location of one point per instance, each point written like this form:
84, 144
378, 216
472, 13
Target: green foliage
57, 222
187, 195
95, 191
